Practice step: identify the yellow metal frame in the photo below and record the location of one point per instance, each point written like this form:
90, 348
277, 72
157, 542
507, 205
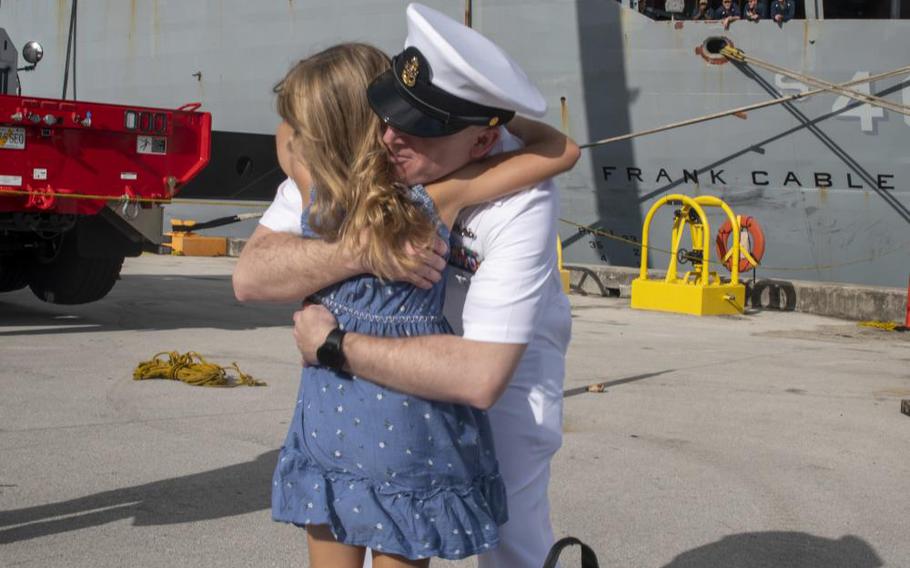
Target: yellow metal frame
700, 292
564, 275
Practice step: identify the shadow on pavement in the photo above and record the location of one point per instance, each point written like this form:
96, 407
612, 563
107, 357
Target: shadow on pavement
225, 492
604, 385
780, 550
144, 302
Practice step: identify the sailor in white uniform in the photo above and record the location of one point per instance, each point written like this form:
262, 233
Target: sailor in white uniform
503, 291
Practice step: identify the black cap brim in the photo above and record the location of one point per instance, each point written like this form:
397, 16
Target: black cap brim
396, 110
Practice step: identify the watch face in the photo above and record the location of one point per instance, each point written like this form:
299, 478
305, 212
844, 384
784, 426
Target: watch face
326, 356
330, 353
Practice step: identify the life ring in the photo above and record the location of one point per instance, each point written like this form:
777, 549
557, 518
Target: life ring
752, 249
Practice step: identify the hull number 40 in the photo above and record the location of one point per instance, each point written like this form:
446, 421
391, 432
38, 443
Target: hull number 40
848, 108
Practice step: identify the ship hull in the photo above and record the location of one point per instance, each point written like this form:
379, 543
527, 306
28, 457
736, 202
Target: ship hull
828, 179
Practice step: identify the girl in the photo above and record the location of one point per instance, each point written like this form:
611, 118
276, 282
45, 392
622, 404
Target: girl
364, 466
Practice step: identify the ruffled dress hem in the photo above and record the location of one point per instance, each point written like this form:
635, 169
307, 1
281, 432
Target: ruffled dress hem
401, 521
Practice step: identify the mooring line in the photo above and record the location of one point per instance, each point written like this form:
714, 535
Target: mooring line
747, 108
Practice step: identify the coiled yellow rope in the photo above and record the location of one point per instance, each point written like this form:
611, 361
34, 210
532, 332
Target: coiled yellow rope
192, 369
883, 325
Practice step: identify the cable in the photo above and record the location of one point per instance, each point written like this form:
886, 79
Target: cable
70, 40
75, 17
219, 222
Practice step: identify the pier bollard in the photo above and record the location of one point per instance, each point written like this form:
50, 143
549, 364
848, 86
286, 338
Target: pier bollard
699, 291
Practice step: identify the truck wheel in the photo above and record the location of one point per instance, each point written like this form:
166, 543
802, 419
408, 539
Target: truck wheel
13, 273
69, 278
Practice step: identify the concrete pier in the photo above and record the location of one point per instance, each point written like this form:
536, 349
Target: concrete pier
772, 439
845, 301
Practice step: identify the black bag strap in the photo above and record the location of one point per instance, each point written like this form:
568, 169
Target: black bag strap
588, 558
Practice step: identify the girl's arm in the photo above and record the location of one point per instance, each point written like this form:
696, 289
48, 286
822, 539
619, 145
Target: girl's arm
547, 152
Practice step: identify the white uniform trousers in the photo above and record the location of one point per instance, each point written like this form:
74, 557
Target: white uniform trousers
527, 430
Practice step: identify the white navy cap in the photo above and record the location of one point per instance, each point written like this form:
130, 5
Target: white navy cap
450, 77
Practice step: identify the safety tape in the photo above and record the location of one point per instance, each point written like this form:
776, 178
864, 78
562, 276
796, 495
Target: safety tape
132, 199
651, 248
587, 229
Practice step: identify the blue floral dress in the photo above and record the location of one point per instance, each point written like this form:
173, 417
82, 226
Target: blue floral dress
399, 474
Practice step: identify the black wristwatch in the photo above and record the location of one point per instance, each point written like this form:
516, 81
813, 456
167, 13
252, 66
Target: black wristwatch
330, 353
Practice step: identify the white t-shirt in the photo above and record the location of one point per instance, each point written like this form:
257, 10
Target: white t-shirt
283, 215
503, 283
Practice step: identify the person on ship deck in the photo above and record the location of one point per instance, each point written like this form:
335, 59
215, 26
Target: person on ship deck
754, 11
728, 12
783, 10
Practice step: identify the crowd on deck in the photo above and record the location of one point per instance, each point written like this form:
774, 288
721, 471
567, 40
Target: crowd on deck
727, 11
752, 10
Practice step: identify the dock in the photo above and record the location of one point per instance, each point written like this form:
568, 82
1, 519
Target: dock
771, 439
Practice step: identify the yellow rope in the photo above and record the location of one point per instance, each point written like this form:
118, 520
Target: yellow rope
163, 200
901, 247
587, 229
192, 369
883, 325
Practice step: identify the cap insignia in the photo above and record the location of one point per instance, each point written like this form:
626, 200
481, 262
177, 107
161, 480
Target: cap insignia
494, 121
410, 72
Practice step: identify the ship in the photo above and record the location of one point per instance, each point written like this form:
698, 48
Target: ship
827, 176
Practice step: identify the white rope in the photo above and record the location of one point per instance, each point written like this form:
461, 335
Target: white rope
747, 108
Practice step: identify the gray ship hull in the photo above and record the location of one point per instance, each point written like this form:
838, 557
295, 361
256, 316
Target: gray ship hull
828, 179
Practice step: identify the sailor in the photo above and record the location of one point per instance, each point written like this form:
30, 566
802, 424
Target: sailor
727, 11
754, 10
503, 290
783, 10
702, 11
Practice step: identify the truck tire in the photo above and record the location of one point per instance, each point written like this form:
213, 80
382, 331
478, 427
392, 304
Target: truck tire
13, 273
69, 278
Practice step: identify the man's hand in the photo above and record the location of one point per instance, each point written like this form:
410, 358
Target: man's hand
430, 264
312, 325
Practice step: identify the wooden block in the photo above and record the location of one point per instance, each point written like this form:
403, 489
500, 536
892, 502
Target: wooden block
191, 244
204, 246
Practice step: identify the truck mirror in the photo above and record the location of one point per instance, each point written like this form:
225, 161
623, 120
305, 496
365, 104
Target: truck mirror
32, 52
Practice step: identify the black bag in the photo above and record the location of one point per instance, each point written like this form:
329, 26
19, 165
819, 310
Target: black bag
588, 558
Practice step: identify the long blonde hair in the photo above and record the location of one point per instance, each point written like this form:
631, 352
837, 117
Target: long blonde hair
336, 134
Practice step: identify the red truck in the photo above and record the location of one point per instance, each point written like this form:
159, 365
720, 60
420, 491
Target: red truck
82, 184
